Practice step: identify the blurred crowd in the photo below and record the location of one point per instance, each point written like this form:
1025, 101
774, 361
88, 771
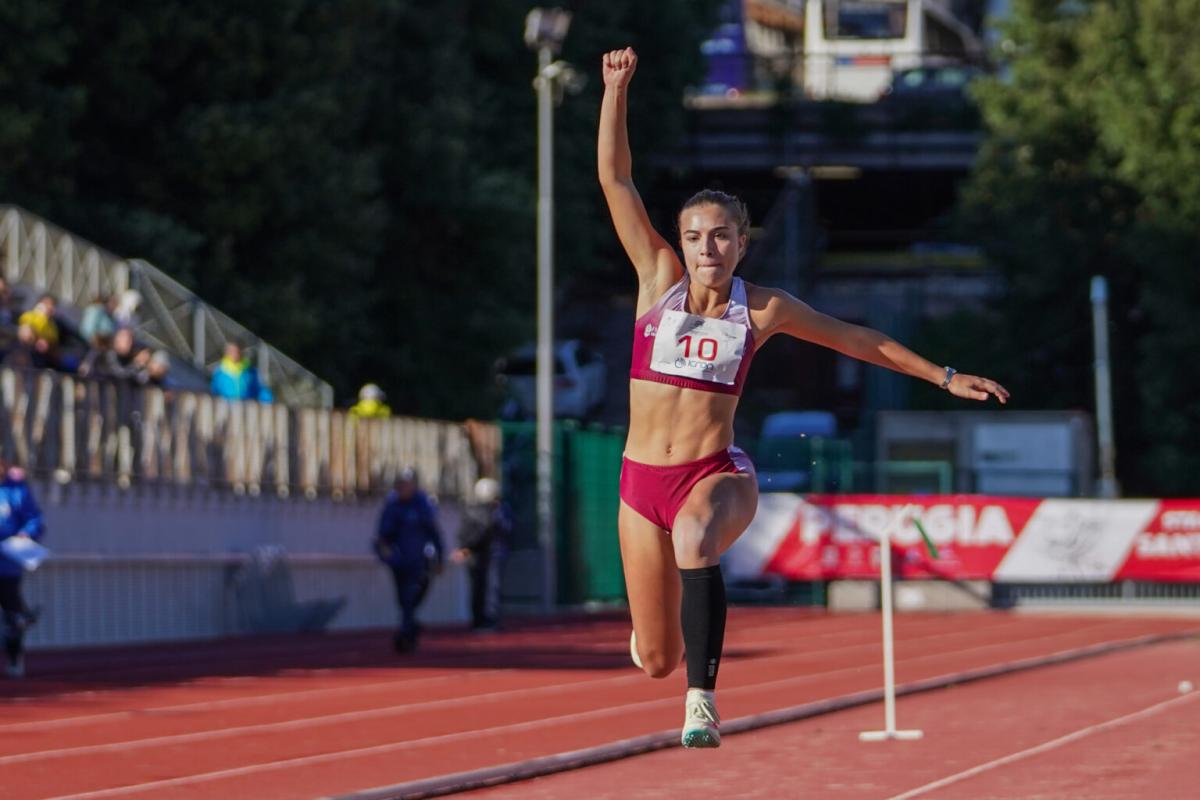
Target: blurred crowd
102, 343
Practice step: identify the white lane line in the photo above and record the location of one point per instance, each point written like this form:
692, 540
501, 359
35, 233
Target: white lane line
234, 702
325, 719
741, 642
36, 725
308, 722
432, 740
362, 751
1044, 747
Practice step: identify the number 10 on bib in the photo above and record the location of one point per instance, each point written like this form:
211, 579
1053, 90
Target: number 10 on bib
699, 348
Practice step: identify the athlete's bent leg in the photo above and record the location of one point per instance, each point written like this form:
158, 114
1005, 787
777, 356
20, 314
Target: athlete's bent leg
652, 583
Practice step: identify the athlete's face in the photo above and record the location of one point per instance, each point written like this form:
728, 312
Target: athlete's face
711, 244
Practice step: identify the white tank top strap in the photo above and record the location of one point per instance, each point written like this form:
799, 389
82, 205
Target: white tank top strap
738, 311
675, 299
672, 298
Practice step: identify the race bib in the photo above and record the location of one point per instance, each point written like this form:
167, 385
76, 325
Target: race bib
700, 348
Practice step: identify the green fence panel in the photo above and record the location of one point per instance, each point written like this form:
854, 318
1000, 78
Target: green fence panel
587, 470
593, 571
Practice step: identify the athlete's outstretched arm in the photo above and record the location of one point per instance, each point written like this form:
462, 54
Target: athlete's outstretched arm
652, 257
786, 314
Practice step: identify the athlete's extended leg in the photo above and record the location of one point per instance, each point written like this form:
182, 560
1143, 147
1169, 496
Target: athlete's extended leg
652, 582
718, 509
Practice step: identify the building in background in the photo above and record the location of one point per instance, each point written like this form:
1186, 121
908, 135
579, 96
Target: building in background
766, 50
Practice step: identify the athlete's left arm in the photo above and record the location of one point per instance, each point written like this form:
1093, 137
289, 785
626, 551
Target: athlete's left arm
777, 311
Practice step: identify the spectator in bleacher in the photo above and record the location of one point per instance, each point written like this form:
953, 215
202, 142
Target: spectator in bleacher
8, 308
125, 308
37, 330
8, 321
483, 543
131, 357
115, 357
235, 378
370, 403
19, 517
98, 319
157, 371
409, 542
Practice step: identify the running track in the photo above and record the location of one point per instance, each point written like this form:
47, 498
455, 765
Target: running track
323, 716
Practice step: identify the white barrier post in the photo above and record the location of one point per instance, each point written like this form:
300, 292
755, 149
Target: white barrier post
889, 668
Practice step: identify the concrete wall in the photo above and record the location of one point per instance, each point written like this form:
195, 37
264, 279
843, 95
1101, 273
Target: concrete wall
160, 563
102, 519
910, 596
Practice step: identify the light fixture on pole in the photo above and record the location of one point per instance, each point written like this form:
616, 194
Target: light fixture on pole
545, 30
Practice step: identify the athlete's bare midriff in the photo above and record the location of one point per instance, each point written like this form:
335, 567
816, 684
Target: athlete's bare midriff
670, 425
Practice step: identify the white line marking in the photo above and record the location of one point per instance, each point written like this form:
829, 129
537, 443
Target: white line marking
1042, 748
304, 722
324, 719
375, 749
233, 702
308, 722
741, 642
51, 724
361, 751
385, 748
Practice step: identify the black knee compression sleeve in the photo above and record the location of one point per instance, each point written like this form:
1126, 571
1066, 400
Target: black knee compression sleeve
702, 616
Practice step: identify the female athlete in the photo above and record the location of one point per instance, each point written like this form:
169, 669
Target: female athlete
686, 492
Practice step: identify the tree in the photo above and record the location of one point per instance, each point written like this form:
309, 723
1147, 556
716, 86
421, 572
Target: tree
1089, 168
353, 181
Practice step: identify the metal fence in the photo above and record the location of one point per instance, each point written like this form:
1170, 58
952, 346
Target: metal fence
71, 429
1127, 594
102, 600
35, 253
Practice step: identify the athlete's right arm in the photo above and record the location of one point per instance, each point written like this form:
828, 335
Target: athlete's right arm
654, 260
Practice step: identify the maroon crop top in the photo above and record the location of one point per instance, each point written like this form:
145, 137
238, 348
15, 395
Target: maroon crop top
707, 354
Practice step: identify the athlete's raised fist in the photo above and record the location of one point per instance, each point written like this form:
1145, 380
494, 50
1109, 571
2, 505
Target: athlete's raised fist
619, 66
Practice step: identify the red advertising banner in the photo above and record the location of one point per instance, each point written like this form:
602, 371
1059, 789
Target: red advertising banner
828, 537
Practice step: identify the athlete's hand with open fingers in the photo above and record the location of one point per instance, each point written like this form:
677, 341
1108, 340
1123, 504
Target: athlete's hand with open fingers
973, 387
619, 66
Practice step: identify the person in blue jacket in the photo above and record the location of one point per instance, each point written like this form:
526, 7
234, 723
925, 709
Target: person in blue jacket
409, 542
235, 378
19, 516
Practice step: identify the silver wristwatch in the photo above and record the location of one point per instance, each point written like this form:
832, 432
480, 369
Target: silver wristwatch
950, 373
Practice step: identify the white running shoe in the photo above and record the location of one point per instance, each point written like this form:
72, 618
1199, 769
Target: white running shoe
701, 723
633, 653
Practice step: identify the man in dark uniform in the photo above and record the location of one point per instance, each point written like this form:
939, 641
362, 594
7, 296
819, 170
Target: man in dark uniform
409, 542
483, 544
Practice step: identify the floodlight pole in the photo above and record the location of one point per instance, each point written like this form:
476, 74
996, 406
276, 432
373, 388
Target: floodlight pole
1104, 413
545, 326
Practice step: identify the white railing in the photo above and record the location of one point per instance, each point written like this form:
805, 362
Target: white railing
35, 253
72, 429
105, 600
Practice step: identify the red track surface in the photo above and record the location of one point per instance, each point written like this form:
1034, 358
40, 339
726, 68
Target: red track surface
968, 728
321, 716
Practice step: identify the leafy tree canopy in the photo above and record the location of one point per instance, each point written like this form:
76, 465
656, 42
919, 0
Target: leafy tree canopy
353, 181
1090, 167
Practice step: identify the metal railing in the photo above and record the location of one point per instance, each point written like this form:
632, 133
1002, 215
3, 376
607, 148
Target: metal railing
72, 429
38, 254
1125, 593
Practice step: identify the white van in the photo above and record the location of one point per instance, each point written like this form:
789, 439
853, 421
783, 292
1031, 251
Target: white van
852, 47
